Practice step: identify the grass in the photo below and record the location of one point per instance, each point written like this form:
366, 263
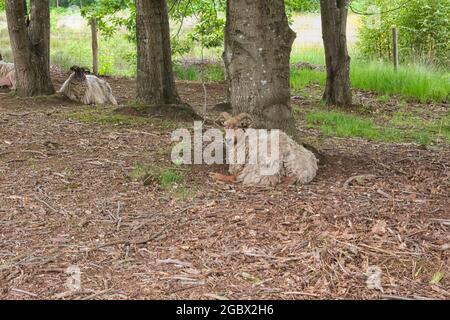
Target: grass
105, 117
210, 72
165, 177
303, 78
170, 179
345, 125
402, 127
421, 82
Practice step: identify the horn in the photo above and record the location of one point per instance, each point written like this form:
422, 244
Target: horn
224, 116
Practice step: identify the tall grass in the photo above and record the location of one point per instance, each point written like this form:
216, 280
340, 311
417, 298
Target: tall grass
312, 54
421, 82
211, 72
401, 127
303, 78
346, 125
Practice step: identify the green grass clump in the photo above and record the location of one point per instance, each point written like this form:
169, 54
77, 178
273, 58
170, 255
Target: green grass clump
105, 117
400, 127
343, 125
171, 180
168, 178
165, 177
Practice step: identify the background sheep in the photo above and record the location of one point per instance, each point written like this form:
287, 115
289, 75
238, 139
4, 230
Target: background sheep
86, 88
296, 164
7, 74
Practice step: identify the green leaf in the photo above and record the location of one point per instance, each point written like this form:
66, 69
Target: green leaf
437, 277
250, 278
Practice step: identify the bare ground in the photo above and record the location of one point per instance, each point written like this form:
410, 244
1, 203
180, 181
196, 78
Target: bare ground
66, 199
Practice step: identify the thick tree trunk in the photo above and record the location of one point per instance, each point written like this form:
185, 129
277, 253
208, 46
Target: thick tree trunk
30, 42
155, 80
258, 43
334, 29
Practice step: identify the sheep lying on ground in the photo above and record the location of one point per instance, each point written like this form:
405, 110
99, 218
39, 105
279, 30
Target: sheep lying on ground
294, 164
86, 88
7, 74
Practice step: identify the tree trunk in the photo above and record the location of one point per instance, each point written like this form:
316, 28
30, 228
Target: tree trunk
258, 43
334, 29
30, 42
94, 34
155, 80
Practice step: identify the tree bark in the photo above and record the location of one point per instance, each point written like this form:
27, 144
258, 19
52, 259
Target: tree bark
94, 34
30, 42
155, 80
334, 29
258, 44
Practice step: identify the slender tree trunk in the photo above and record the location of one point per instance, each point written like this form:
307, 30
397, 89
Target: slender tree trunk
258, 43
30, 42
94, 45
334, 29
155, 80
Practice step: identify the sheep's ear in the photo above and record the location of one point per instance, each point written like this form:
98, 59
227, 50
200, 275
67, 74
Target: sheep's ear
74, 68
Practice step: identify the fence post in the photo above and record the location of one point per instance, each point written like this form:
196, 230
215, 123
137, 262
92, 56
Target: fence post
395, 47
94, 46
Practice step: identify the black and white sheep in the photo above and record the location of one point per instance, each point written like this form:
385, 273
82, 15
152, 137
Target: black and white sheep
86, 88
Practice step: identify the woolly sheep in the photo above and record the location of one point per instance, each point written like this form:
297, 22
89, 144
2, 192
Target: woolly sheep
295, 165
86, 88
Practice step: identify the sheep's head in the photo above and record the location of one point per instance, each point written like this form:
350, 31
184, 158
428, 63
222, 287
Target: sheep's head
242, 120
80, 72
1, 57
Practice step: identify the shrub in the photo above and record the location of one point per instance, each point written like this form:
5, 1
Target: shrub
423, 31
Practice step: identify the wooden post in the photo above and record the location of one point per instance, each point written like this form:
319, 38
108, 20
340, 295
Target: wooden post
395, 47
94, 46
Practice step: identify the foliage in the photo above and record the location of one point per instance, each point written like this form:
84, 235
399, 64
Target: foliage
208, 30
68, 3
423, 30
210, 16
2, 5
111, 15
303, 5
